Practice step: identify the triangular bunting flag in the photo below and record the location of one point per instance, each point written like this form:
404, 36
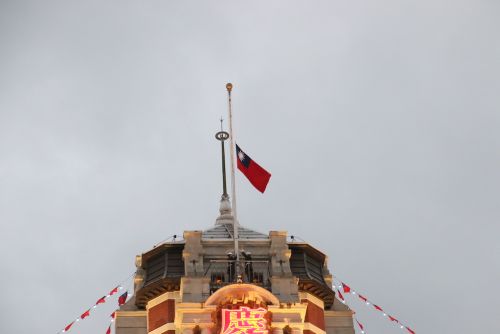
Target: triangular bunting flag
85, 314
392, 318
360, 325
122, 299
115, 290
101, 301
67, 328
340, 295
346, 288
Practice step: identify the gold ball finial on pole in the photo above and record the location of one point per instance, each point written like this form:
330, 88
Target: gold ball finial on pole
229, 87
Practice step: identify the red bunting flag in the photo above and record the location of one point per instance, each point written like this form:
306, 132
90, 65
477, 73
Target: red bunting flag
340, 295
348, 289
115, 290
68, 327
122, 299
392, 318
360, 325
85, 314
101, 301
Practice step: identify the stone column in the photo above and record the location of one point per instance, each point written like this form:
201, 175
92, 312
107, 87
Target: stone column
206, 330
280, 254
283, 284
277, 330
193, 253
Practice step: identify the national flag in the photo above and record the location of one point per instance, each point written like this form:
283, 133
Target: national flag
257, 175
85, 314
108, 331
122, 299
113, 315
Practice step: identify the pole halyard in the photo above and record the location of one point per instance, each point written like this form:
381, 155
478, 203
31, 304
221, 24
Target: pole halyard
229, 88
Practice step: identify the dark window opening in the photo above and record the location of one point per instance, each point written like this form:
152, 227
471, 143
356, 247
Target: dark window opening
257, 278
217, 278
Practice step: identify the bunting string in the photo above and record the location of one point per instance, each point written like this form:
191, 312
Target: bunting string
112, 319
361, 327
86, 314
100, 301
350, 291
342, 299
172, 238
121, 300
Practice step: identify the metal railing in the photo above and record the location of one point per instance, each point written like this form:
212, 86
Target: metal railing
222, 272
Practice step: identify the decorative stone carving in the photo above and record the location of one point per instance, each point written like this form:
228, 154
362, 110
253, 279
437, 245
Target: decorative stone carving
139, 274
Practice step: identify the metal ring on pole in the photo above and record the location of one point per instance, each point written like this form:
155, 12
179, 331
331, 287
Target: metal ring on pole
222, 135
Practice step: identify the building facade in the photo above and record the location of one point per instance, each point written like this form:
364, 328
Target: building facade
197, 286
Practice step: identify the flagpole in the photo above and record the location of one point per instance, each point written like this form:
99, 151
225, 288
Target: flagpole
236, 236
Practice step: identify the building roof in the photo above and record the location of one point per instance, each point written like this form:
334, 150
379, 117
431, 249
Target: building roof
225, 231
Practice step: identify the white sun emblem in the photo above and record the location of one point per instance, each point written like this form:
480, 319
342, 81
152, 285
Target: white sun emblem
241, 155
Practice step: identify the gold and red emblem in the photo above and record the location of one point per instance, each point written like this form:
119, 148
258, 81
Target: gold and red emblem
244, 320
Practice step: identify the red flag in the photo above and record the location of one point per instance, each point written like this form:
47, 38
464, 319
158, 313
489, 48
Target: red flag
101, 301
340, 295
112, 292
409, 330
392, 318
363, 298
68, 327
360, 325
378, 308
122, 299
85, 314
113, 315
109, 330
346, 288
257, 175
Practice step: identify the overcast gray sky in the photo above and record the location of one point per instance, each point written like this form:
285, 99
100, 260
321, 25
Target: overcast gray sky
379, 121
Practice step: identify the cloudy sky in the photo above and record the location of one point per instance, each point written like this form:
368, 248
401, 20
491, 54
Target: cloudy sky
379, 121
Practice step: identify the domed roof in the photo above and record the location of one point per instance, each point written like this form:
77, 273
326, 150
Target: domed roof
225, 231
